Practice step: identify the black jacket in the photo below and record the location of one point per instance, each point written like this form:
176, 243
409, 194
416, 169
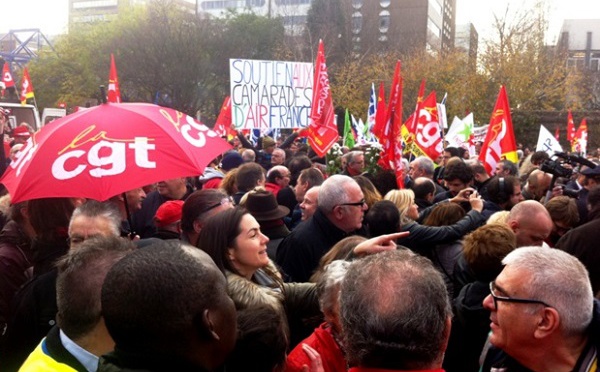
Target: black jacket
423, 238
299, 253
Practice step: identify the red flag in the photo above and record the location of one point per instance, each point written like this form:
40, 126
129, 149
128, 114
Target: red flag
223, 123
396, 124
570, 128
426, 138
557, 133
386, 132
380, 113
579, 143
322, 130
26, 87
114, 93
7, 76
409, 127
500, 140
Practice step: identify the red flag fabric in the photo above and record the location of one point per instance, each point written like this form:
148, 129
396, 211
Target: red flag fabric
322, 130
500, 140
409, 127
396, 124
26, 87
579, 143
570, 128
380, 114
7, 76
224, 119
114, 93
557, 133
426, 138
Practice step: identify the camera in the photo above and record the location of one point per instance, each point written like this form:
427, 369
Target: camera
556, 169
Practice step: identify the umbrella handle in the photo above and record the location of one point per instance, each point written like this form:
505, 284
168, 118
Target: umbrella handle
132, 233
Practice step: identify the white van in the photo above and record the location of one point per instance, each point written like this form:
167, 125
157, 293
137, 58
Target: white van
19, 113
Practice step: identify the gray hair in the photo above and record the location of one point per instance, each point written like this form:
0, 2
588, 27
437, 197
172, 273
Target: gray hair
560, 280
248, 155
426, 164
96, 209
333, 192
329, 284
353, 154
404, 323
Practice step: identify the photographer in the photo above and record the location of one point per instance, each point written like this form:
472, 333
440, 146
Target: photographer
592, 179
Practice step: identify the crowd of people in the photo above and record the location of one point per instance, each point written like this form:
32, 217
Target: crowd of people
267, 263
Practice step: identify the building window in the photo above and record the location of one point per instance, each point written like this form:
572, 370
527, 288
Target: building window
357, 4
594, 64
384, 3
356, 23
436, 6
433, 28
384, 21
251, 3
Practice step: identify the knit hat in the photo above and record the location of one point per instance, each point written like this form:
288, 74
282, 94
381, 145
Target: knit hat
267, 142
231, 159
169, 212
21, 131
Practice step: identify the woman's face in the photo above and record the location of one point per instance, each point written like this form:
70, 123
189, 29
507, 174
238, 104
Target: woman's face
250, 248
413, 211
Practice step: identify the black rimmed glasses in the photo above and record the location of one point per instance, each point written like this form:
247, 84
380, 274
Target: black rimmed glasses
517, 300
357, 204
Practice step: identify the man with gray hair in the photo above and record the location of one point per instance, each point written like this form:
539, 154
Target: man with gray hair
340, 212
543, 314
355, 163
422, 166
395, 313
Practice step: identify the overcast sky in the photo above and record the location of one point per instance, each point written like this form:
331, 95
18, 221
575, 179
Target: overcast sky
51, 15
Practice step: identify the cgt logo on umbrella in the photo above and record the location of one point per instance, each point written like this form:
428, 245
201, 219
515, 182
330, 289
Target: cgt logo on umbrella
107, 156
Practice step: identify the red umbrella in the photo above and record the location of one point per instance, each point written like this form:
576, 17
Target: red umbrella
109, 149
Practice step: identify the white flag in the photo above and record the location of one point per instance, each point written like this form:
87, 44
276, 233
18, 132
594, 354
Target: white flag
547, 142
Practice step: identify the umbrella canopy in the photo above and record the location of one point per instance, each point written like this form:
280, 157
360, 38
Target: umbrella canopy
103, 151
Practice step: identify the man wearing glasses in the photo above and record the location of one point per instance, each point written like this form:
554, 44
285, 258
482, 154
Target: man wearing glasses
543, 316
340, 211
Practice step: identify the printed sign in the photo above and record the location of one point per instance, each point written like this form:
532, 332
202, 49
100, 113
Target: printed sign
270, 94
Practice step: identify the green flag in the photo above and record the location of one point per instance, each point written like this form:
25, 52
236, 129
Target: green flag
349, 140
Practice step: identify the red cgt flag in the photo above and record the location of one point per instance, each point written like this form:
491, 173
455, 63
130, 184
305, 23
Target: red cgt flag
322, 130
26, 87
114, 93
500, 140
7, 76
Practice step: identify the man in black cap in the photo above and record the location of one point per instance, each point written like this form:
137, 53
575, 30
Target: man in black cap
592, 178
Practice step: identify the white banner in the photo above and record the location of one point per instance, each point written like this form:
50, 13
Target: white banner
270, 94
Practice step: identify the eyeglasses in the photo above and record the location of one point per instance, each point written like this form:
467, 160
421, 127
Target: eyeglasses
497, 298
224, 201
357, 204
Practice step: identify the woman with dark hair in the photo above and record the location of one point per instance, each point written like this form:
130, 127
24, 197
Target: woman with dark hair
234, 241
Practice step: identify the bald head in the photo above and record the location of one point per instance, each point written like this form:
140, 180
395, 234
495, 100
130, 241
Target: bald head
531, 223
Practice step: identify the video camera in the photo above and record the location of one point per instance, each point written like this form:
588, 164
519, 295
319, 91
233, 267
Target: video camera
557, 169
